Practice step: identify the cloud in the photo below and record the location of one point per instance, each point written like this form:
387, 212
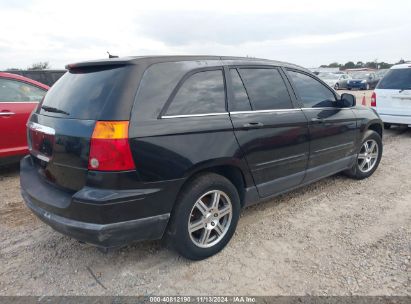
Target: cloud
227, 28
308, 33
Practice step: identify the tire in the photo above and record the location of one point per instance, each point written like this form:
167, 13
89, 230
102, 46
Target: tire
211, 230
387, 126
360, 170
337, 86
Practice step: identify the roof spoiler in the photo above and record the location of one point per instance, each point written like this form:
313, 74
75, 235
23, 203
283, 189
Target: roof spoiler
102, 62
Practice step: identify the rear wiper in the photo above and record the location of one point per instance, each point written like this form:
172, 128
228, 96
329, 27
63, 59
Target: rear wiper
54, 110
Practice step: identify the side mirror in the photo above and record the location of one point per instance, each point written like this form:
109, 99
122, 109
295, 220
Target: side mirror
347, 100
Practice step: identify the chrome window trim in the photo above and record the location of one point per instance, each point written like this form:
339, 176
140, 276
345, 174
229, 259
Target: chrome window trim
248, 112
265, 111
194, 115
326, 108
40, 128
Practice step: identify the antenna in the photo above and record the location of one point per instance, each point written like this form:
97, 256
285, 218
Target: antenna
111, 56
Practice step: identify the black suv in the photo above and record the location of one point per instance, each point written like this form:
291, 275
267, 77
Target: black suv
174, 147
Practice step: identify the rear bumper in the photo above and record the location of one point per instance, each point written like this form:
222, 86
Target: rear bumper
109, 235
102, 217
396, 119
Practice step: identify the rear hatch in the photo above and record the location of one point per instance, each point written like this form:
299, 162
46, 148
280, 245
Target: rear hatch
393, 93
60, 130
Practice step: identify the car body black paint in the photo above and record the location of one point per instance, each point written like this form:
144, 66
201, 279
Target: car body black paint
275, 150
332, 132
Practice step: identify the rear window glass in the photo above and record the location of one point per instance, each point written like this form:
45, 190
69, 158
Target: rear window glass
84, 92
201, 93
396, 79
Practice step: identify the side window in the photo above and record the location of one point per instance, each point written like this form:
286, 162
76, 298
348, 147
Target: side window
11, 91
312, 93
241, 101
201, 93
266, 89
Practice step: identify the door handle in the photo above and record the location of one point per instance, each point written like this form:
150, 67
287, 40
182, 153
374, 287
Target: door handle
253, 125
6, 113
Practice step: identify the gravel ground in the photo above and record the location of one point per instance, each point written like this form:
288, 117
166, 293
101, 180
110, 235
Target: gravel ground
334, 237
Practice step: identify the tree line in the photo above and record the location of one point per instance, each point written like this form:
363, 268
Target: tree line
34, 67
360, 64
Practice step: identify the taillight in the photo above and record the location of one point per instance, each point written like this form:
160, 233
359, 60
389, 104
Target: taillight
373, 99
109, 148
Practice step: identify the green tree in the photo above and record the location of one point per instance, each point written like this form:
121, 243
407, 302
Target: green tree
359, 64
371, 65
384, 65
331, 65
334, 65
349, 65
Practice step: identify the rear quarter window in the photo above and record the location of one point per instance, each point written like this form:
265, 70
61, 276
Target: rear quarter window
396, 79
201, 93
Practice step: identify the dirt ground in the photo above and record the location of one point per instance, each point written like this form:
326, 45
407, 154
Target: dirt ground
335, 237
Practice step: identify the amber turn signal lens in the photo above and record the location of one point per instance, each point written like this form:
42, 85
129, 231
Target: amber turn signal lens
110, 130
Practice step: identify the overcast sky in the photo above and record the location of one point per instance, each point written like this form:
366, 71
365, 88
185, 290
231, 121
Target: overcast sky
308, 33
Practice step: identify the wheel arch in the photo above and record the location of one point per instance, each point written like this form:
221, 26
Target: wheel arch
375, 126
235, 171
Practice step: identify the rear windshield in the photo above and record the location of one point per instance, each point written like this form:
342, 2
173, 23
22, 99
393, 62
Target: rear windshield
396, 79
83, 93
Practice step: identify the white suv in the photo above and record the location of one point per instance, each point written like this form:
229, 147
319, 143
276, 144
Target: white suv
392, 96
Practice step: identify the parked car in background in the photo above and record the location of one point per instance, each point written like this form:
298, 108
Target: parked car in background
47, 77
392, 96
19, 96
174, 146
363, 81
335, 80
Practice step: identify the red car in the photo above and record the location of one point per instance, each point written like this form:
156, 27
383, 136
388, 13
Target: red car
19, 96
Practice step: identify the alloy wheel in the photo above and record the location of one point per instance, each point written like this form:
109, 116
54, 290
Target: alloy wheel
210, 218
367, 158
